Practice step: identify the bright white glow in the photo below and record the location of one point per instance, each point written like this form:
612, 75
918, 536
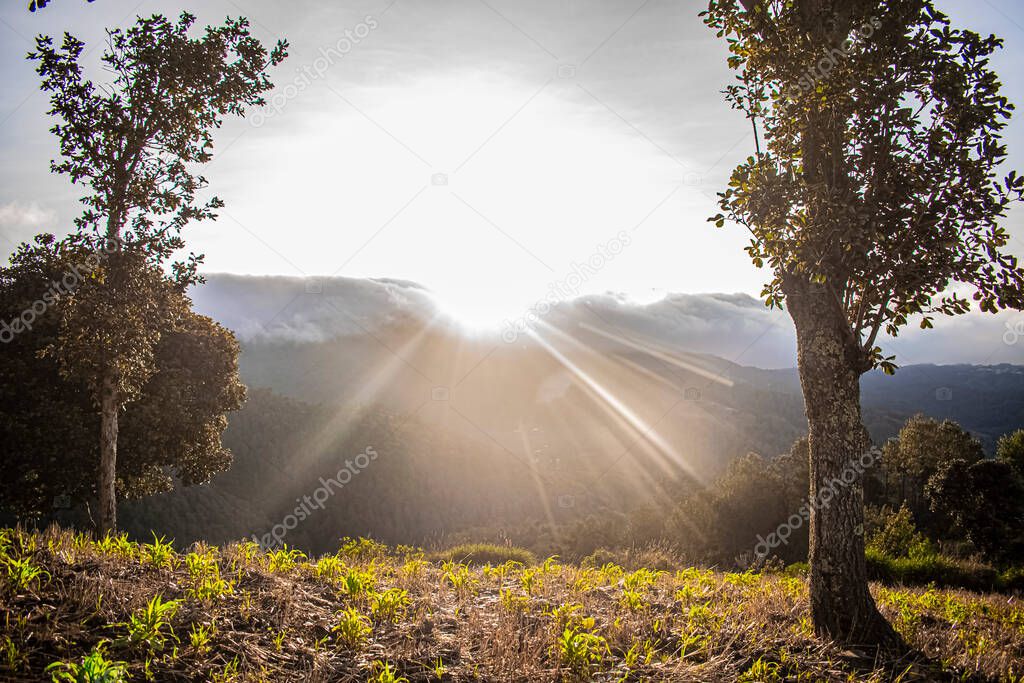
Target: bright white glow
488, 190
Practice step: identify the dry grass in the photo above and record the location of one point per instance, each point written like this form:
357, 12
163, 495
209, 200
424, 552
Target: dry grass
370, 613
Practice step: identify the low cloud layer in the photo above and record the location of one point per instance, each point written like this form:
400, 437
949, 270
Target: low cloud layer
735, 327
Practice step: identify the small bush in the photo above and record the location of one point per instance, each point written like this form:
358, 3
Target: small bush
1012, 580
600, 558
797, 570
896, 536
485, 553
656, 556
931, 569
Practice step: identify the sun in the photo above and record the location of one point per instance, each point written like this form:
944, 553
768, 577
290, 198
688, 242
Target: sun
482, 310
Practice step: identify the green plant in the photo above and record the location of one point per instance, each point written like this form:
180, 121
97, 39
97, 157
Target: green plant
94, 668
413, 567
199, 636
383, 673
486, 553
229, 674
581, 651
329, 568
245, 554
762, 671
150, 625
357, 583
797, 570
284, 560
512, 602
352, 627
638, 653
640, 580
22, 574
632, 600
932, 569
389, 605
159, 553
439, 669
896, 536
13, 657
529, 579
205, 581
362, 549
117, 545
458, 575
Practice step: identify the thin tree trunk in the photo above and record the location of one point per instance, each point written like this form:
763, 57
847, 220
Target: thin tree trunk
830, 365
109, 406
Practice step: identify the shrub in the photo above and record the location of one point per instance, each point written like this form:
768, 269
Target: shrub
656, 556
896, 536
797, 570
485, 553
600, 558
931, 569
1012, 580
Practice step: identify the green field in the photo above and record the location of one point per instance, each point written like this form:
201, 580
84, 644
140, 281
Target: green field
131, 611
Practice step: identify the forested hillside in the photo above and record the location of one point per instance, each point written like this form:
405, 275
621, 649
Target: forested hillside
500, 462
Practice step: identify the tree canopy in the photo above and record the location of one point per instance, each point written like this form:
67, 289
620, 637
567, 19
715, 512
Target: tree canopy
134, 142
878, 178
170, 433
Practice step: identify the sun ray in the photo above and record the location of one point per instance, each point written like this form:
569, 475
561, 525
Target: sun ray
543, 494
346, 417
668, 456
660, 353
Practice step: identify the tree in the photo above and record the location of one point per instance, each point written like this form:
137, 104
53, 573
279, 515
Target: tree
1010, 449
986, 501
916, 454
132, 142
875, 191
171, 433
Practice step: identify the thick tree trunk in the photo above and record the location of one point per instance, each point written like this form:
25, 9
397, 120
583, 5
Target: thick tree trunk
109, 406
830, 365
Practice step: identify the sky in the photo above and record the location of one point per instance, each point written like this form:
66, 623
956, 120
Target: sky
487, 149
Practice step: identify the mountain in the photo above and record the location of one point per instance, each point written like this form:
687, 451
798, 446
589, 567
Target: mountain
584, 414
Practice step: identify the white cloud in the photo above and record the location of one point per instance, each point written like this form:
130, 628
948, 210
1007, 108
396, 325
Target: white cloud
735, 327
26, 215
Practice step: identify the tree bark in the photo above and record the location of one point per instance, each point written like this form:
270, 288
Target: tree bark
110, 398
109, 408
830, 364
